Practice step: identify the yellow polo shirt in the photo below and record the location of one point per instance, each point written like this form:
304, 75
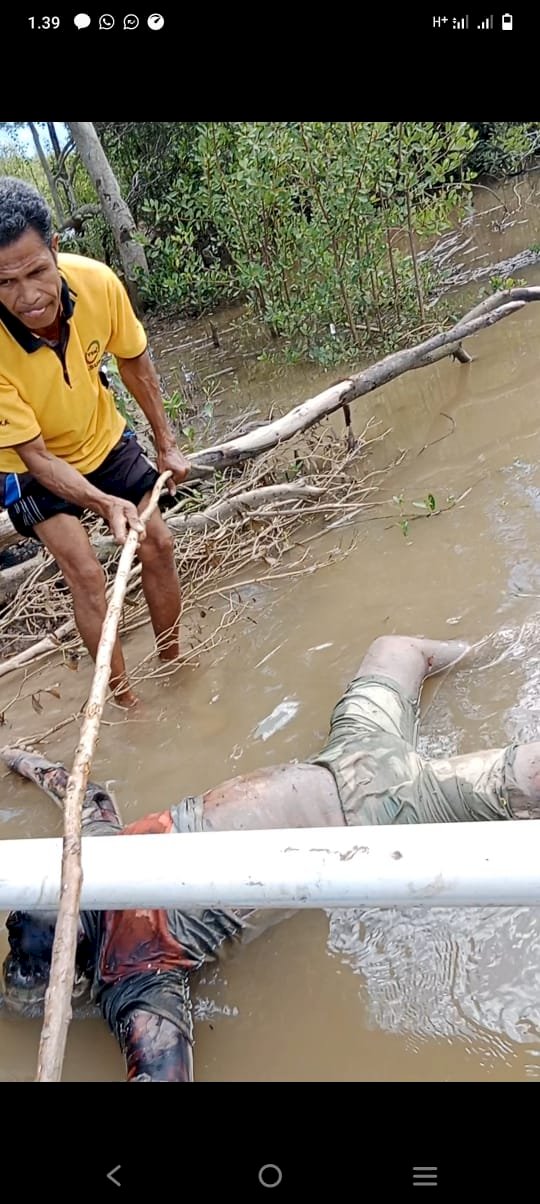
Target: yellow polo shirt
60, 394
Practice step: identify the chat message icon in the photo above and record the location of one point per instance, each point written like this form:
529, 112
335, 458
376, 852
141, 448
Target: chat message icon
106, 21
81, 21
131, 21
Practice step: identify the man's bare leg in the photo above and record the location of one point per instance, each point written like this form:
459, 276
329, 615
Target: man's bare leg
305, 795
408, 660
285, 796
66, 540
160, 583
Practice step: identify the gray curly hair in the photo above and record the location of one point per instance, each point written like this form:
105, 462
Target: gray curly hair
22, 208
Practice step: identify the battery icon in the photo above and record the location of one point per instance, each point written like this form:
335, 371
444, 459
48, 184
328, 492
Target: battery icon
507, 21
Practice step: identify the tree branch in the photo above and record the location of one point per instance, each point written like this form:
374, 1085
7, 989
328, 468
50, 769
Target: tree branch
58, 998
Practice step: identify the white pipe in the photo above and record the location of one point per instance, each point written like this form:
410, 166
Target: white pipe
426, 865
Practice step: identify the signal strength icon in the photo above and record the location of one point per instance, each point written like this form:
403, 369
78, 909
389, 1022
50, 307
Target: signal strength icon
460, 22
487, 23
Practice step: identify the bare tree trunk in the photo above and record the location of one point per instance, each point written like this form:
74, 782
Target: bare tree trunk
59, 209
114, 207
61, 174
410, 234
54, 140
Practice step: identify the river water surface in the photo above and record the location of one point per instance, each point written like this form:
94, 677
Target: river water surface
365, 995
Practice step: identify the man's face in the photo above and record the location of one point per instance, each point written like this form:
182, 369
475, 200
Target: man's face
30, 283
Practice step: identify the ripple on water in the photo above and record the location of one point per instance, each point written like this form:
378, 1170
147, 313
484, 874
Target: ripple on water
471, 974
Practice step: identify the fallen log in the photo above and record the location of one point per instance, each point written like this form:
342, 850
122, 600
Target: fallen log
270, 434
12, 578
49, 643
303, 416
219, 512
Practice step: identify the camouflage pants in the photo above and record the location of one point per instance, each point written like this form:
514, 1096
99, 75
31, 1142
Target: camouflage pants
206, 933
380, 777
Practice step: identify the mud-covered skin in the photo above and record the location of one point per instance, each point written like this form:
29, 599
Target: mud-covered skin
154, 1049
99, 811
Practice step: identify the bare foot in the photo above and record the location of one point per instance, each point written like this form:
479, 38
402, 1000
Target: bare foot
493, 648
487, 651
170, 652
126, 699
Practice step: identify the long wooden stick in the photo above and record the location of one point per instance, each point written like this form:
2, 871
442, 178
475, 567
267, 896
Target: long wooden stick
58, 998
104, 545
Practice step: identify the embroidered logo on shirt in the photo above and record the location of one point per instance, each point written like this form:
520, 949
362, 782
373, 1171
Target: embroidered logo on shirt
91, 354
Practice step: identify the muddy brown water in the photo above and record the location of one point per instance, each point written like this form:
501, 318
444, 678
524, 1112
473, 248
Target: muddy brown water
374, 995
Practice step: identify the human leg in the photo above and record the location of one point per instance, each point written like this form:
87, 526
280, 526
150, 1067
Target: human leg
127, 473
67, 541
491, 784
408, 660
161, 586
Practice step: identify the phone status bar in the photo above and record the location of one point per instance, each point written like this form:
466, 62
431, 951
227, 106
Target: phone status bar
505, 22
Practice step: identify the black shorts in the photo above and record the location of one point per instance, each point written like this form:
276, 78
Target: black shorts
125, 473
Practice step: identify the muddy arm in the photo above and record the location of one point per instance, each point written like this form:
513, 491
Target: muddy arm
154, 1049
145, 1002
100, 813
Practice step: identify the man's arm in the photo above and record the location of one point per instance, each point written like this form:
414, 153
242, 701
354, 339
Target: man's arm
64, 480
140, 378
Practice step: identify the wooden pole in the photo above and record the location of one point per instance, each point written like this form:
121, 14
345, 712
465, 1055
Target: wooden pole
58, 998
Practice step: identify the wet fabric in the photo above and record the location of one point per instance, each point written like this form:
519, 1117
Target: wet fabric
137, 960
382, 779
126, 473
145, 956
204, 931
